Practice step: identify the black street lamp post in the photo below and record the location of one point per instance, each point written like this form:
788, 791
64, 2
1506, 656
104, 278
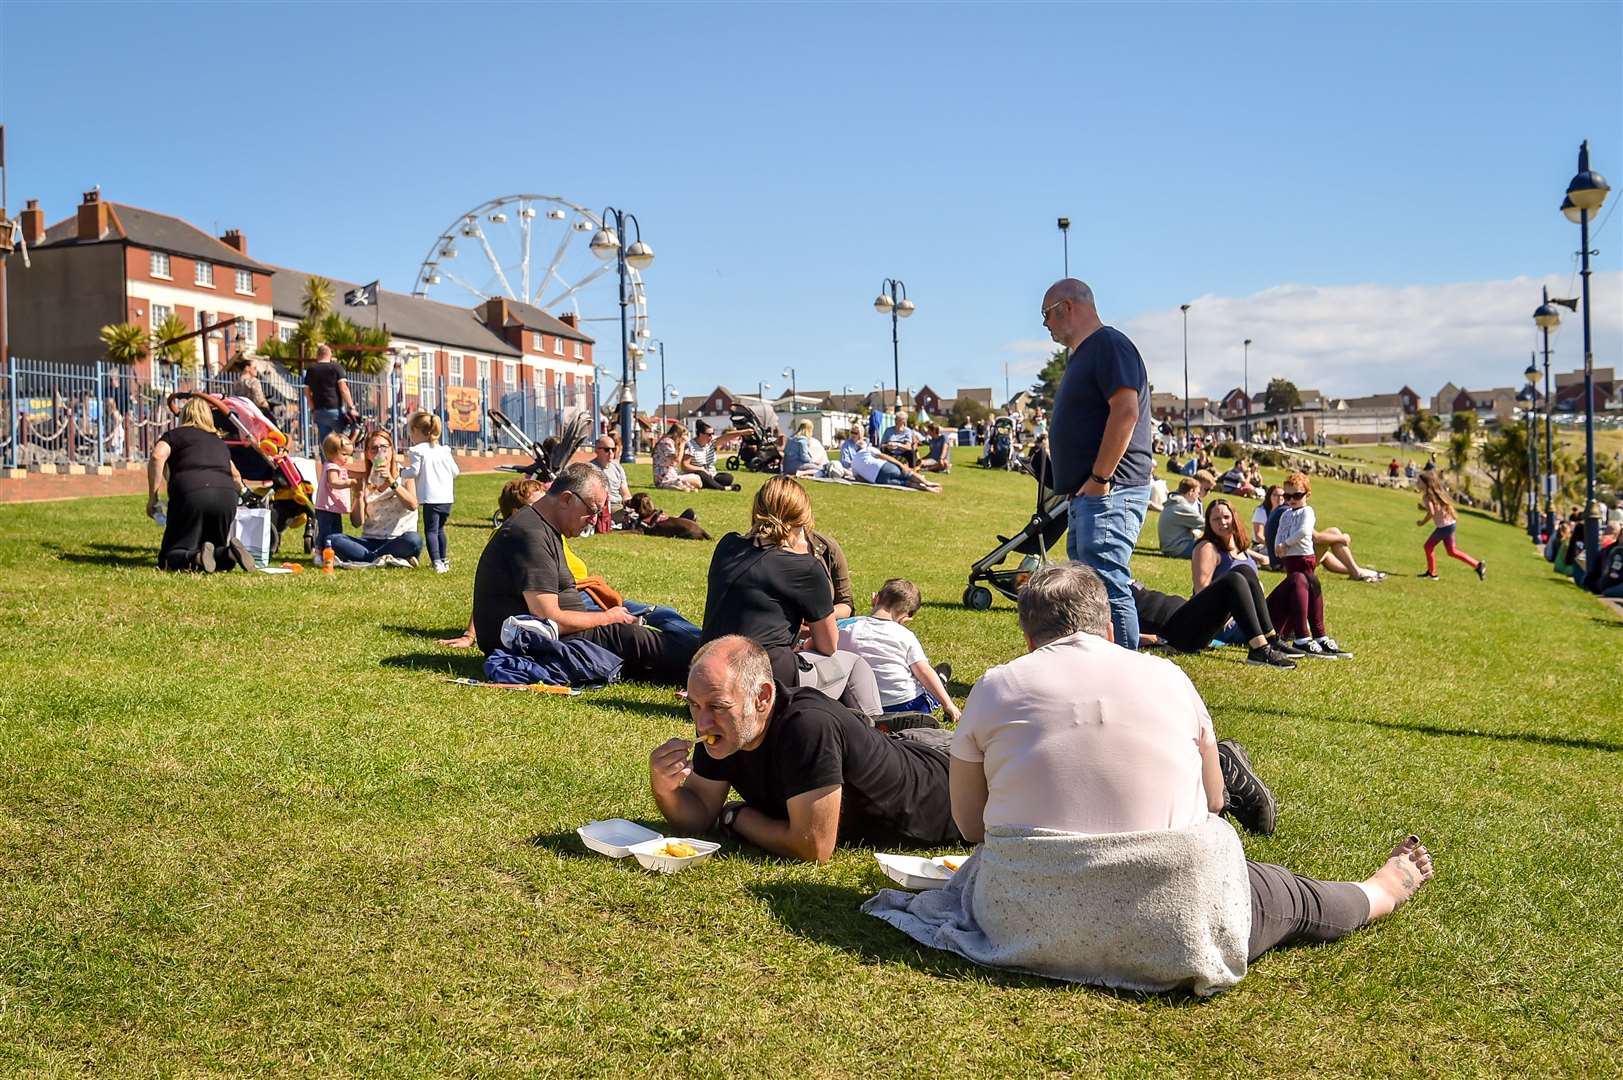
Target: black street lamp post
892, 300
1530, 422
1585, 194
794, 392
1185, 309
1245, 389
608, 244
1547, 318
1065, 240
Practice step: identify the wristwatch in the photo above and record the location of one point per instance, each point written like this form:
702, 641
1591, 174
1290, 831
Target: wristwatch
1097, 479
728, 816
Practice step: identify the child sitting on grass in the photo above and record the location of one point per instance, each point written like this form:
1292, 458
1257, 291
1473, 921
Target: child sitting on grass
907, 682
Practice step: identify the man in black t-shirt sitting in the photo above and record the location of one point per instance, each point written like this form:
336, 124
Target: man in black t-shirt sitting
523, 571
808, 771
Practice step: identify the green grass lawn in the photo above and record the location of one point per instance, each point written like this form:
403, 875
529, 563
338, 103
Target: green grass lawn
247, 826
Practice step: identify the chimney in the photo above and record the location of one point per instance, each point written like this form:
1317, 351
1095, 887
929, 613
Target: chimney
234, 239
496, 313
33, 222
92, 216
568, 319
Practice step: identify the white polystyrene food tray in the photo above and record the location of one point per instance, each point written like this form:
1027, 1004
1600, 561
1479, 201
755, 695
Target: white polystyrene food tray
648, 856
914, 872
615, 836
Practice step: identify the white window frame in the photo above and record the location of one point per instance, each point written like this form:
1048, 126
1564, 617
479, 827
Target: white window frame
158, 263
558, 346
427, 381
580, 350
454, 370
509, 374
484, 372
538, 341
246, 336
203, 273
285, 331
157, 318
248, 276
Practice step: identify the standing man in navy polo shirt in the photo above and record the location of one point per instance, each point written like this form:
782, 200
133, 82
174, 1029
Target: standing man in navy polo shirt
1099, 445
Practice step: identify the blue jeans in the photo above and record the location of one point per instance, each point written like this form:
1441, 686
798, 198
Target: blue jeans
327, 421
1103, 530
367, 548
434, 518
666, 620
890, 474
328, 523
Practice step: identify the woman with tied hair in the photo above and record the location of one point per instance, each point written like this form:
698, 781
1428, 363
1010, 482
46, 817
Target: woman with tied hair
767, 584
668, 453
386, 510
803, 454
203, 489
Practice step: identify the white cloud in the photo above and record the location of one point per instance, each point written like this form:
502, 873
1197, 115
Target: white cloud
1369, 339
1028, 356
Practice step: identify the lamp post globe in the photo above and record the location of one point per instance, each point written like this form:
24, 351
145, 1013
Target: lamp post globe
640, 255
1546, 317
905, 308
605, 244
882, 304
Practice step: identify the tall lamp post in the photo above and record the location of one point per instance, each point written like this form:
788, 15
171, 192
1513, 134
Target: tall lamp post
1530, 421
794, 391
608, 244
1245, 388
1585, 194
1065, 240
1546, 318
1185, 309
658, 343
892, 300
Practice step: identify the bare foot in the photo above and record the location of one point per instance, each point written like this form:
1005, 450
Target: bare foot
1408, 868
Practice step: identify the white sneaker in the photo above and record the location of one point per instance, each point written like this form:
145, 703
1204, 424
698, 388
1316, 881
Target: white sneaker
442, 566
390, 561
345, 564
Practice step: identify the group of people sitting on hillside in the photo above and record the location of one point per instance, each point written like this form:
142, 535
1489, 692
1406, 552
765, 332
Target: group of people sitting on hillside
1564, 549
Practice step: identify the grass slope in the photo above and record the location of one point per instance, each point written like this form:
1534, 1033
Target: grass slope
247, 826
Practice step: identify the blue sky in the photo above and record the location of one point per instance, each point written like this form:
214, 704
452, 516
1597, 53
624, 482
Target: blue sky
1369, 191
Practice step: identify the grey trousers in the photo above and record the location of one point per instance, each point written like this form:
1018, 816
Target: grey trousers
1288, 909
845, 677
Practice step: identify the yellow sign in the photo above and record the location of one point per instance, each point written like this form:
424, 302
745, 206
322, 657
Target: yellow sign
462, 405
409, 376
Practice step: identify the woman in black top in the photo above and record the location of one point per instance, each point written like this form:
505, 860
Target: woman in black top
767, 583
203, 490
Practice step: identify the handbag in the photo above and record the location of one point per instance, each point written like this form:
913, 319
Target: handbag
252, 526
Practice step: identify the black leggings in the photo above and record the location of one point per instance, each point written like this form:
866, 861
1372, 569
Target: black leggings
434, 517
1236, 595
195, 518
717, 481
1288, 909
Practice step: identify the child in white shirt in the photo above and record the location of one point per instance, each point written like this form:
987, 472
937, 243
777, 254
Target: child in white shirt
907, 682
435, 470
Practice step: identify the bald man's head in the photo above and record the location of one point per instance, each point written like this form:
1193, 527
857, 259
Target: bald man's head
1069, 312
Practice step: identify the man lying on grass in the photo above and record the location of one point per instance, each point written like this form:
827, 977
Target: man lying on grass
809, 772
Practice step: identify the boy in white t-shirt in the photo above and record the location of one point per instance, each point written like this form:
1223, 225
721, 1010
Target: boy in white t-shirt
907, 682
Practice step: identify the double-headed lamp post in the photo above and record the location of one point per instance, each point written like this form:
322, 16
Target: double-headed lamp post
1530, 422
1585, 194
892, 300
658, 343
1546, 318
794, 391
608, 244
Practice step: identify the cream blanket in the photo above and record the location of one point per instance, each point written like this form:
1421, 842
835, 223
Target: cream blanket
1146, 911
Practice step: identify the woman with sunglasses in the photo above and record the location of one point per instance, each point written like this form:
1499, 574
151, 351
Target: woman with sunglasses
1297, 604
386, 510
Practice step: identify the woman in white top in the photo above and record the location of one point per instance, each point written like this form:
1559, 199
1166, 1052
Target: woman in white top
434, 470
386, 511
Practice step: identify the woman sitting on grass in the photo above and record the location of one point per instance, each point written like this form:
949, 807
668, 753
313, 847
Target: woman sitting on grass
669, 454
385, 507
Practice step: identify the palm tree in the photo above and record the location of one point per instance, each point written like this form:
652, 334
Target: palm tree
180, 352
318, 296
126, 343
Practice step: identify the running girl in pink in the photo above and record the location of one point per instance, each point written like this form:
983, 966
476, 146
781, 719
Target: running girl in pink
1439, 509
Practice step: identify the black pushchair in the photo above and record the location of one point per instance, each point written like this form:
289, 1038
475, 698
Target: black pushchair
1041, 532
1000, 446
550, 454
758, 450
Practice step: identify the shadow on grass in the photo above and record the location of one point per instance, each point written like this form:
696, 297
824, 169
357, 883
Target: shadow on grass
122, 555
460, 665
1532, 738
828, 915
674, 709
424, 632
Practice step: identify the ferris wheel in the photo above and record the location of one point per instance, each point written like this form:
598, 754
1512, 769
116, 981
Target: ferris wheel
535, 249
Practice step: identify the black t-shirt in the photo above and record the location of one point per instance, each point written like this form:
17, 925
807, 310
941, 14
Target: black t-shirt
323, 380
893, 789
765, 594
198, 459
525, 555
1104, 363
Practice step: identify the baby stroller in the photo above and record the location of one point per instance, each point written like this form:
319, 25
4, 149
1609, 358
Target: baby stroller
1041, 532
259, 451
1000, 445
758, 450
550, 454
